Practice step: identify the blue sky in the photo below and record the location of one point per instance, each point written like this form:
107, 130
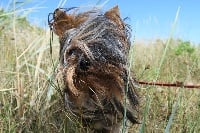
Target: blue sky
148, 19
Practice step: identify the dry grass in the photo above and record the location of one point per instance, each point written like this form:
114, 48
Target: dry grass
29, 103
162, 100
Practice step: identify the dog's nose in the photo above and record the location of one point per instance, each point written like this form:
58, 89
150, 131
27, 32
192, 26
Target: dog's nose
84, 64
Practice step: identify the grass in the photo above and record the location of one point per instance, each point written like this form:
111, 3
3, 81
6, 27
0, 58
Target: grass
164, 103
29, 102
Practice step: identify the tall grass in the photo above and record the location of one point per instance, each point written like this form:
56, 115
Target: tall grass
25, 68
29, 101
166, 103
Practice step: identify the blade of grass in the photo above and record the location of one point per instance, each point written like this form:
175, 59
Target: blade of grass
104, 3
147, 106
19, 89
174, 109
10, 89
167, 44
61, 3
131, 55
145, 114
20, 11
39, 60
162, 60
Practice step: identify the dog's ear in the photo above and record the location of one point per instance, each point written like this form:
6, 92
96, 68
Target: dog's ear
113, 12
114, 15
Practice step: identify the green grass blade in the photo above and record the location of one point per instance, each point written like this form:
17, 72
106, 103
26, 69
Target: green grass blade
168, 43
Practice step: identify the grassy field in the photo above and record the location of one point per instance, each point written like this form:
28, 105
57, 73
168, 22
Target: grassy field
29, 101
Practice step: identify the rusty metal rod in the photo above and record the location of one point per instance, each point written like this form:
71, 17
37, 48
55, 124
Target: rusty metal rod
176, 84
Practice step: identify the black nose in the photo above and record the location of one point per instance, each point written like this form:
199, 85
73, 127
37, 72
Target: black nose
84, 64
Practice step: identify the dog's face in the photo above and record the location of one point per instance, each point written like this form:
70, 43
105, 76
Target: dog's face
93, 55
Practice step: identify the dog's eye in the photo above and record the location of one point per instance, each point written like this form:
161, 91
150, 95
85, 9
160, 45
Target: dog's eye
71, 52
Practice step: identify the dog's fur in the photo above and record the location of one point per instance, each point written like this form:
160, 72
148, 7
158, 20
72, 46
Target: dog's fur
94, 62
